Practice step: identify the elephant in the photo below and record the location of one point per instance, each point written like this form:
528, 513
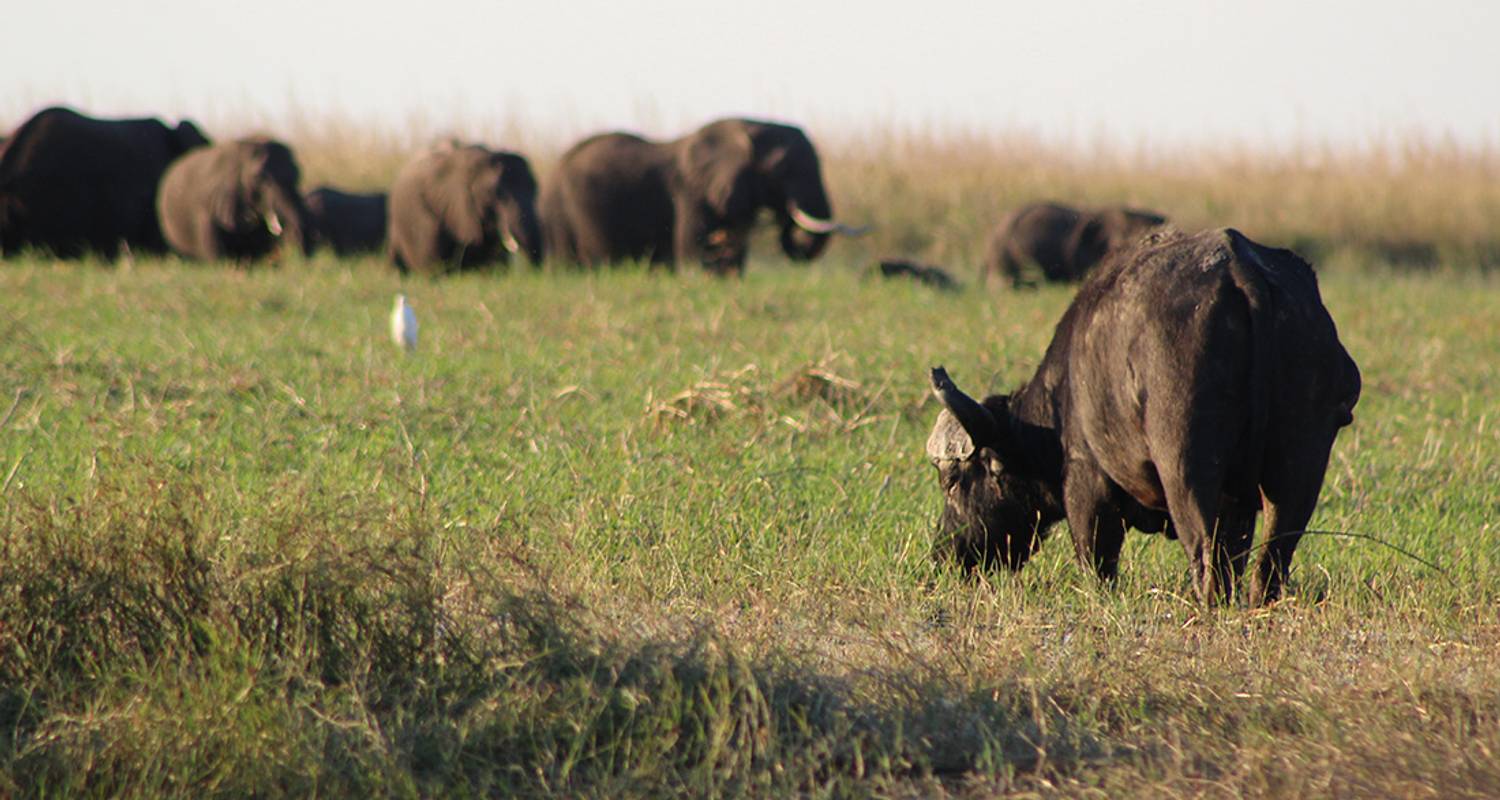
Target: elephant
1064, 242
463, 206
75, 185
238, 200
349, 223
619, 197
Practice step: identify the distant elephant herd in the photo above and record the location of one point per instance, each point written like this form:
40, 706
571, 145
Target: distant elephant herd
73, 185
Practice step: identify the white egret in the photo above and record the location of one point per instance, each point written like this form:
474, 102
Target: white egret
403, 324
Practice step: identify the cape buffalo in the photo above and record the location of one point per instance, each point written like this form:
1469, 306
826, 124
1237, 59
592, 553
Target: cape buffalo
1194, 380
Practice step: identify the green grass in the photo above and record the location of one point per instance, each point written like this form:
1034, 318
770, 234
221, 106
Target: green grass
631, 534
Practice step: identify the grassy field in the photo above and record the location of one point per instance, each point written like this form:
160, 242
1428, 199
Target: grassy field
634, 534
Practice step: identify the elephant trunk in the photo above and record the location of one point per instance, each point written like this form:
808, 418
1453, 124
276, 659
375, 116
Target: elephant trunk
522, 232
287, 219
807, 222
799, 241
799, 245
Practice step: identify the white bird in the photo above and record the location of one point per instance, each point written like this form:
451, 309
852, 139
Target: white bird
403, 324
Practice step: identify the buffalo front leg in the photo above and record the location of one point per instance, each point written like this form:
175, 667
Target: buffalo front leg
1094, 522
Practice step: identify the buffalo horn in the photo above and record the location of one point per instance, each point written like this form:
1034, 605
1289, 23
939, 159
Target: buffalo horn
273, 224
977, 421
510, 243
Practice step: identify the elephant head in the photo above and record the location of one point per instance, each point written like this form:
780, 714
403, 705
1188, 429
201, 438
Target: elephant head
491, 203
731, 169
502, 200
267, 197
1101, 232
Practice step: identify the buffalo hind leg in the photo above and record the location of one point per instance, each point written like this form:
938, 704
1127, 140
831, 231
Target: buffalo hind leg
1289, 494
1095, 523
1231, 547
1284, 524
1194, 506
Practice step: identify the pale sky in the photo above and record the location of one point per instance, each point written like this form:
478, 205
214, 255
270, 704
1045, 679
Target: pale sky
1154, 73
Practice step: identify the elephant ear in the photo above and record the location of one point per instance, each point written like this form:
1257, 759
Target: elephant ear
230, 202
459, 188
257, 159
718, 166
227, 205
1088, 243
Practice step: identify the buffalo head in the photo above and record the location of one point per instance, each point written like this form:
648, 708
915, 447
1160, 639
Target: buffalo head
994, 511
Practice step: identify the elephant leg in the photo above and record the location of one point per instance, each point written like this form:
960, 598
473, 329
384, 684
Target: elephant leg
661, 258
207, 234
561, 244
393, 252
590, 243
991, 272
725, 250
422, 244
1012, 268
688, 232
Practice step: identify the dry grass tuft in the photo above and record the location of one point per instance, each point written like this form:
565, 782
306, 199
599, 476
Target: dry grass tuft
819, 382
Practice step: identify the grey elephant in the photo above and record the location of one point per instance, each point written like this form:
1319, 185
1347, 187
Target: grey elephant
618, 197
463, 206
238, 200
349, 223
1064, 243
75, 185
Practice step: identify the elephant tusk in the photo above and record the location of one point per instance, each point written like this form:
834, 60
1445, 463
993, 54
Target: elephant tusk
510, 243
812, 224
273, 224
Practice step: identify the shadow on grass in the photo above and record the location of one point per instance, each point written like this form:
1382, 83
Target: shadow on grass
145, 653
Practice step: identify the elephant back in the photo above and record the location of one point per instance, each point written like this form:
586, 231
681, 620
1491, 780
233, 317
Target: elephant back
81, 183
